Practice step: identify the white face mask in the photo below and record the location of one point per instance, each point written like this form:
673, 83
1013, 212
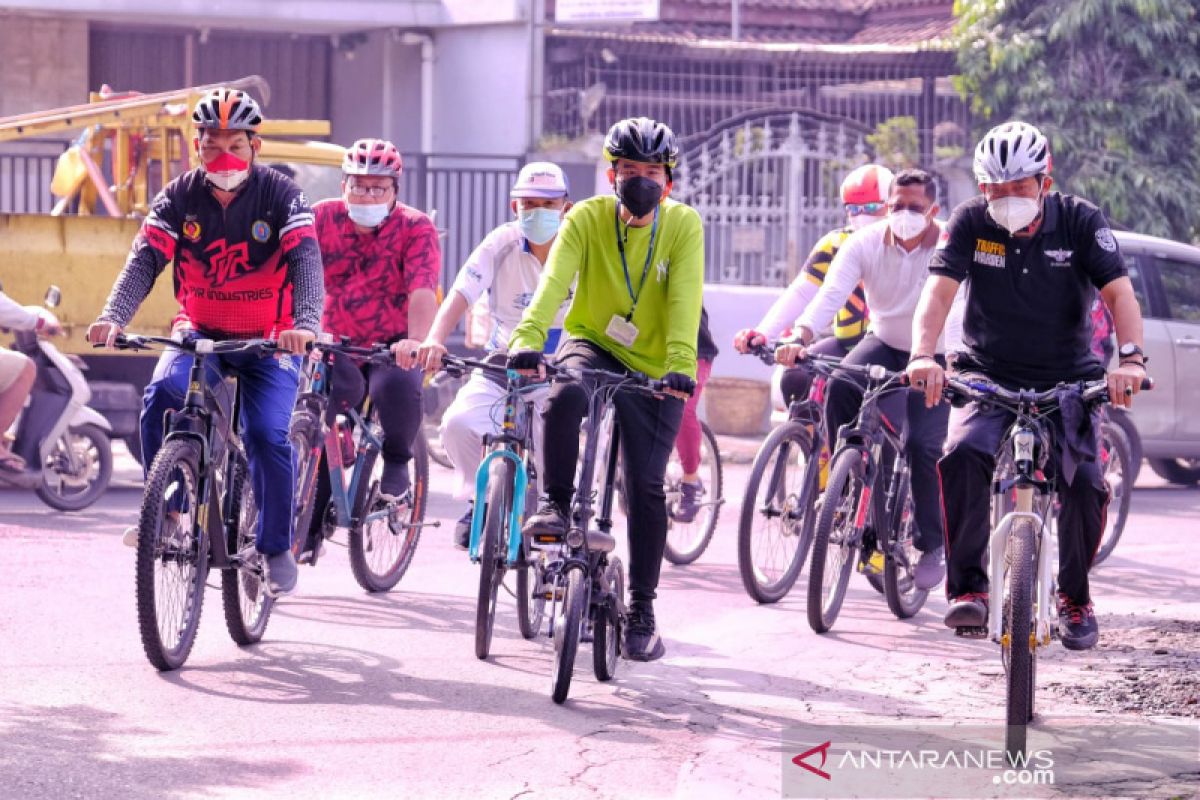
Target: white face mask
860, 221
907, 224
1014, 213
227, 171
369, 215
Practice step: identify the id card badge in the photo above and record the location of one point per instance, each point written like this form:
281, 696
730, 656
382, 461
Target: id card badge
622, 331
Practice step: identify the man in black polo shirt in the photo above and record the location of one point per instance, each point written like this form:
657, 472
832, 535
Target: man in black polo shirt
1033, 259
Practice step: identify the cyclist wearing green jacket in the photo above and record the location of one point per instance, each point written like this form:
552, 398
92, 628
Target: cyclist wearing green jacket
638, 259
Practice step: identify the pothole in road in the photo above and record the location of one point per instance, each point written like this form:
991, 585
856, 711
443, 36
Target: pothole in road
1140, 666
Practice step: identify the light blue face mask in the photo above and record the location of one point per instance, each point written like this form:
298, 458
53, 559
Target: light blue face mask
539, 225
369, 215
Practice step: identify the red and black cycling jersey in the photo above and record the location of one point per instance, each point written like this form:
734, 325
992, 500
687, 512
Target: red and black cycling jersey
236, 267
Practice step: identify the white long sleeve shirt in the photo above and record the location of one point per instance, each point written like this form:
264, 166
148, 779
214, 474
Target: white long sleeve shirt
891, 276
17, 317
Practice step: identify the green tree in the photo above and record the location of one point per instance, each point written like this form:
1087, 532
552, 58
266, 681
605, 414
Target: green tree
1115, 84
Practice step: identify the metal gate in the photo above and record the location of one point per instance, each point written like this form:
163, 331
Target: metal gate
766, 186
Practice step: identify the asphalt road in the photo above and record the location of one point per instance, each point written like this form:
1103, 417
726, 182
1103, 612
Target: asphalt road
352, 695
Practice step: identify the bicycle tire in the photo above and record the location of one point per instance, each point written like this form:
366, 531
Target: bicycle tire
606, 633
243, 595
494, 553
99, 451
567, 629
697, 544
304, 432
758, 585
838, 509
1115, 454
177, 464
904, 599
408, 530
531, 578
1019, 632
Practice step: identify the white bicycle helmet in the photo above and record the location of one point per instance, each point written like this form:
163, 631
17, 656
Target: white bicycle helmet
1010, 152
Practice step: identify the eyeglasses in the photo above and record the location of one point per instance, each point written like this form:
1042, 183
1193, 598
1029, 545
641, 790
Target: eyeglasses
370, 191
854, 209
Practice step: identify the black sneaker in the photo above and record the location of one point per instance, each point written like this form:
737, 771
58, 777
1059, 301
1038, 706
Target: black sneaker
548, 520
642, 642
690, 495
967, 611
462, 529
1077, 626
394, 483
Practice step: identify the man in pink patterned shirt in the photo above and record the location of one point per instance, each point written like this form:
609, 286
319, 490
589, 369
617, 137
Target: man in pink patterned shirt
382, 265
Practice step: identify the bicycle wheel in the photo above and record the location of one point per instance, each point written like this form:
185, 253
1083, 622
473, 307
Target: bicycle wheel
687, 541
531, 592
304, 433
247, 604
775, 529
836, 540
78, 469
494, 552
1018, 643
899, 589
384, 541
172, 556
606, 634
568, 625
1116, 465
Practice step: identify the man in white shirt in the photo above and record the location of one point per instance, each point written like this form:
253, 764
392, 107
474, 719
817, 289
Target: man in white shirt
891, 259
507, 266
17, 374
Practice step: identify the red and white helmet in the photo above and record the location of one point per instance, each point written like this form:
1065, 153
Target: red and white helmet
869, 183
1010, 152
373, 157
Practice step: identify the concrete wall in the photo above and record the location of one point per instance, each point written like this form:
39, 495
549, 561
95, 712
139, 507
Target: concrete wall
376, 91
481, 90
45, 62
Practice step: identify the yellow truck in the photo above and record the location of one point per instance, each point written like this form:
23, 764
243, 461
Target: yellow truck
80, 246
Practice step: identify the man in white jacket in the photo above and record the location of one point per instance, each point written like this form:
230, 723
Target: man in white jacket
506, 266
17, 374
891, 259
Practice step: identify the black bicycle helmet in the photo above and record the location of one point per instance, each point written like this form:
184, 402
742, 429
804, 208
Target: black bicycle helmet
641, 139
227, 110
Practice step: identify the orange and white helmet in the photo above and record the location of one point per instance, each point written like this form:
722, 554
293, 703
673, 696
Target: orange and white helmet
227, 110
373, 157
869, 183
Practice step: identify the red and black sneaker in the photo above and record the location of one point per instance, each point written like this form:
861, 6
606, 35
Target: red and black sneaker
967, 611
1077, 626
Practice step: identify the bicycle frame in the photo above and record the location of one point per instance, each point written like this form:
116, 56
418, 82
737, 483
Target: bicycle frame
515, 432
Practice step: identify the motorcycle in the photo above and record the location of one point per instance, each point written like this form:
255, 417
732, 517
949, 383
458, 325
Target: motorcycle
58, 429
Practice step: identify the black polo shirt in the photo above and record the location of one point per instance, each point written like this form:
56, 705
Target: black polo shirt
1026, 323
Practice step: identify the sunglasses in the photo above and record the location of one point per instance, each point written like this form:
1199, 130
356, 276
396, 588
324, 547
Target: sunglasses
854, 209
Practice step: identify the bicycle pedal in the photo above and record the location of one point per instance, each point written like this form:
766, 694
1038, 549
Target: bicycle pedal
972, 632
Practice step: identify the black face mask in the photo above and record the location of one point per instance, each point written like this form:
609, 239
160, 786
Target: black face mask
639, 195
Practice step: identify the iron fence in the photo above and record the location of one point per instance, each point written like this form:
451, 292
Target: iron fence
26, 169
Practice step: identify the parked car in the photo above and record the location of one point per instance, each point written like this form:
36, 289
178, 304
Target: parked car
1166, 278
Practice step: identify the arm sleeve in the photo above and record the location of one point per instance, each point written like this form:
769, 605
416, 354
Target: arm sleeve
15, 316
685, 296
952, 255
565, 260
298, 240
477, 274
422, 256
153, 248
843, 276
1101, 255
791, 304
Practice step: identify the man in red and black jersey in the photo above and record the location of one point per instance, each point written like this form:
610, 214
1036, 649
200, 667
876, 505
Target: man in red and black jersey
382, 263
245, 265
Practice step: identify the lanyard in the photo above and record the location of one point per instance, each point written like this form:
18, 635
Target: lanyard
625, 264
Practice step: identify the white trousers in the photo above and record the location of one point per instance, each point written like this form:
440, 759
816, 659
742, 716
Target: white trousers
478, 409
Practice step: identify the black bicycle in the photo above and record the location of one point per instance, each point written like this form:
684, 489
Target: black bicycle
585, 582
383, 533
855, 519
198, 513
775, 529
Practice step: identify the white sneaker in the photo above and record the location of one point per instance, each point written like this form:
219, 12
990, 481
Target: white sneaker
130, 538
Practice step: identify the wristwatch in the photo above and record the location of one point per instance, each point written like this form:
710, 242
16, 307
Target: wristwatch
1129, 350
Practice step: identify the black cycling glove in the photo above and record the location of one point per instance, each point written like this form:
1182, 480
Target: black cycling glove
678, 382
525, 359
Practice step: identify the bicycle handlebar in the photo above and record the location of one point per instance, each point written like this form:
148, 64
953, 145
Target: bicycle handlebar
378, 353
1094, 393
200, 346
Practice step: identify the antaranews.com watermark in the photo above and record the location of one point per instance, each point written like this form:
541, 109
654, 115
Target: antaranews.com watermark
923, 759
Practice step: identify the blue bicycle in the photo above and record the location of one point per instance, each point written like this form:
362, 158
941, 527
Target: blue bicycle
505, 486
